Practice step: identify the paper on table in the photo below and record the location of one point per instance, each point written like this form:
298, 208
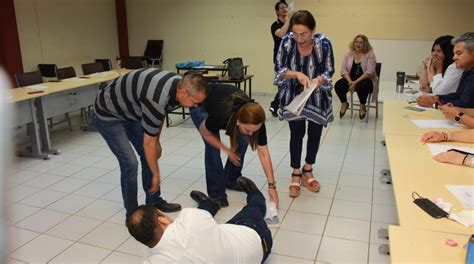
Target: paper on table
436, 123
464, 193
298, 103
435, 149
464, 217
73, 79
422, 107
37, 87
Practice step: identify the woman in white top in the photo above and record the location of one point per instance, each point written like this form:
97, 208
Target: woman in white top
439, 74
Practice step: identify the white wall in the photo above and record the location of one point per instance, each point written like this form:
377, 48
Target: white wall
66, 32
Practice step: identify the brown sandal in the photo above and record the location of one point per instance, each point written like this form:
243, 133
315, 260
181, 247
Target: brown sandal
309, 181
295, 187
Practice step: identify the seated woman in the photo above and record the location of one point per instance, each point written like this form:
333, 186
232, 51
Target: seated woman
453, 157
358, 74
228, 108
464, 116
439, 74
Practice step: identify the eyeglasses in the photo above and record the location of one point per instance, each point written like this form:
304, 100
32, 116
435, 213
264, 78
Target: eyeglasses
301, 36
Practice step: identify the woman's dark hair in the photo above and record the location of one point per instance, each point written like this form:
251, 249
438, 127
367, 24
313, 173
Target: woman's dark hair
446, 46
303, 17
249, 112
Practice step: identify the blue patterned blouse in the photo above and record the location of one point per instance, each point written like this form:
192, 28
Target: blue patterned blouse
318, 109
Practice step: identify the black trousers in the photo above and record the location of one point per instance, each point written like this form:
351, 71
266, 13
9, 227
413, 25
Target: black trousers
297, 132
363, 88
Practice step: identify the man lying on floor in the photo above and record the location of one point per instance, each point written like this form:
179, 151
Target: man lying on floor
194, 236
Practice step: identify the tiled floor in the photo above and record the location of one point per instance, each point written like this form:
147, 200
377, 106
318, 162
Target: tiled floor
69, 209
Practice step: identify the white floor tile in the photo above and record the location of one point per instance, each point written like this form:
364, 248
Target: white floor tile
107, 235
73, 227
66, 170
275, 259
350, 209
296, 244
41, 249
377, 258
22, 176
71, 203
351, 180
385, 214
81, 253
95, 189
20, 192
335, 250
43, 181
90, 173
175, 185
347, 228
68, 185
100, 209
17, 237
374, 229
386, 197
315, 205
17, 212
133, 247
356, 194
43, 198
304, 223
42, 220
120, 258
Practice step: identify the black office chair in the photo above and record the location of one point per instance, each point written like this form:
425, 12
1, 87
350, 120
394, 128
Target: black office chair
132, 62
106, 64
28, 78
90, 68
378, 68
48, 70
154, 53
65, 73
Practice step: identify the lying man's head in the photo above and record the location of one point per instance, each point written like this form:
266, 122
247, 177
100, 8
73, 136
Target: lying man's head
147, 225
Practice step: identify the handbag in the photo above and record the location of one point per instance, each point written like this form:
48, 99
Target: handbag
234, 67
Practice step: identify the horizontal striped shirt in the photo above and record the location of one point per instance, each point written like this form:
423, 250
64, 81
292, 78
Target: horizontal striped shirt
142, 95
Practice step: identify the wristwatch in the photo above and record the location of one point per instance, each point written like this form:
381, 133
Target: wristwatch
458, 117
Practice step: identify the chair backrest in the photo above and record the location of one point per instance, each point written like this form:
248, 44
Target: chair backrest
154, 49
106, 64
132, 62
378, 69
68, 72
28, 78
48, 70
90, 68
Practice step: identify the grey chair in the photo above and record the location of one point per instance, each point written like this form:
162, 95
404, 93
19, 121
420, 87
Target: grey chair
65, 73
90, 68
378, 68
154, 53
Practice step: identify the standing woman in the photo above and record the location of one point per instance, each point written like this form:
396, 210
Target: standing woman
304, 57
358, 74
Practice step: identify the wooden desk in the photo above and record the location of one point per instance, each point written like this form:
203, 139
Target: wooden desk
397, 119
414, 170
236, 82
417, 246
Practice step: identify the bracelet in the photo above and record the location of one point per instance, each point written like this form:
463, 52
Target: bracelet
449, 136
445, 136
272, 185
467, 161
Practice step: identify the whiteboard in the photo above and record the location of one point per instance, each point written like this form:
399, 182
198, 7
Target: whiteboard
400, 55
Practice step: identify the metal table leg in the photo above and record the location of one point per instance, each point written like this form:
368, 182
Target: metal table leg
44, 131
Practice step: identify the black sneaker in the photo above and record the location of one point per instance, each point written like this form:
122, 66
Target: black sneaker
221, 201
166, 207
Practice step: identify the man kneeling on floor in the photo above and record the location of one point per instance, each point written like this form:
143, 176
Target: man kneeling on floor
194, 236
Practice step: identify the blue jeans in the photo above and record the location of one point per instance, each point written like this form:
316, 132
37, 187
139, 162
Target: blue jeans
218, 177
118, 135
251, 216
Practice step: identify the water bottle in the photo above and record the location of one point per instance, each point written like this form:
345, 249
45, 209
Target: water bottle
400, 82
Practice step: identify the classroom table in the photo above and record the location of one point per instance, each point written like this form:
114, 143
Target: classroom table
414, 170
409, 245
219, 68
58, 98
397, 119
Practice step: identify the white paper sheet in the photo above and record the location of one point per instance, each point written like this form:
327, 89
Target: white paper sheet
435, 149
298, 103
73, 79
37, 87
464, 193
436, 123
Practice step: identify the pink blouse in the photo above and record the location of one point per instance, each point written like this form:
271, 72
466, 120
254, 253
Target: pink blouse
368, 66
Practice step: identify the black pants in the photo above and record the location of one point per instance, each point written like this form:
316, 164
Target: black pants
251, 216
297, 132
363, 88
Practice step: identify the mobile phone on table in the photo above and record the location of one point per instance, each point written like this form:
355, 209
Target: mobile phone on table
409, 107
460, 151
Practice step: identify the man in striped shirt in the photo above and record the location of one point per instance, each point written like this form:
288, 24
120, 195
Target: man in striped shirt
131, 109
